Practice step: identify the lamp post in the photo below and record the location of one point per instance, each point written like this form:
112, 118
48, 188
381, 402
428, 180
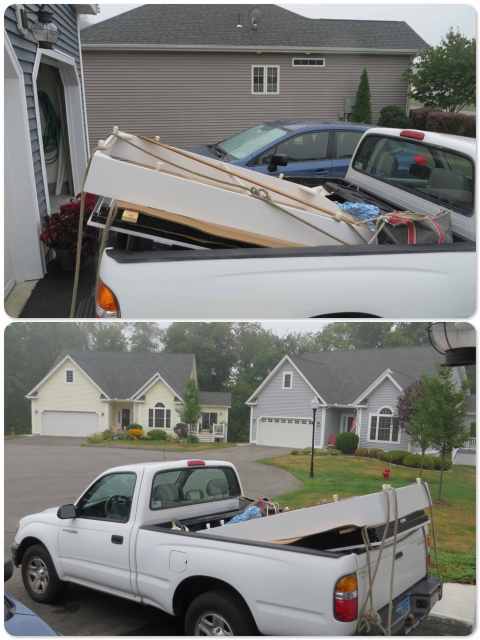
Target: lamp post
314, 404
454, 340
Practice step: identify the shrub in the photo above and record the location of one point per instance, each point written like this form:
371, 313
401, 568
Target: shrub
107, 434
181, 430
375, 453
460, 124
347, 442
362, 452
135, 431
95, 438
192, 439
157, 434
393, 116
334, 452
395, 457
296, 452
437, 461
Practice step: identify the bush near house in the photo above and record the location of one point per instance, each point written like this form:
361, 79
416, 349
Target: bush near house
135, 431
375, 453
395, 457
157, 434
347, 442
460, 124
393, 116
192, 439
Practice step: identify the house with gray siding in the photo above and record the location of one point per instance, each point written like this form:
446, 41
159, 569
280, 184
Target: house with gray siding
356, 391
198, 73
46, 139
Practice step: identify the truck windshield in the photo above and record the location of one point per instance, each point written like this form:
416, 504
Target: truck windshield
243, 144
439, 175
180, 487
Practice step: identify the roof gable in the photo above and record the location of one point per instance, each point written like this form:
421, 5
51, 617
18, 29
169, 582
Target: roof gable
60, 362
231, 25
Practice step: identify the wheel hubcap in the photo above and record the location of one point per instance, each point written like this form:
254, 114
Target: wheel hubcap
212, 624
37, 575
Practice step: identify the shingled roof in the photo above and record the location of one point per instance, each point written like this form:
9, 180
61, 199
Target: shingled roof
341, 376
177, 26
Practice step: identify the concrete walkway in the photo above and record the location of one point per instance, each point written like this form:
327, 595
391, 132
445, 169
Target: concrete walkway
458, 603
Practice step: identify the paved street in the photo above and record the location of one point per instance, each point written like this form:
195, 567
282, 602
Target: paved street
42, 472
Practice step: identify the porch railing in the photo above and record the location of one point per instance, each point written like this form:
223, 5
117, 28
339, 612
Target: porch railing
470, 444
214, 429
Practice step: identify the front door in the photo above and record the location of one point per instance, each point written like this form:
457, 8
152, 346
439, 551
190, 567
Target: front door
125, 418
94, 546
347, 423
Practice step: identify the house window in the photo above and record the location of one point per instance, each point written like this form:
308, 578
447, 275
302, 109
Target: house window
209, 419
265, 79
384, 426
287, 380
308, 62
159, 417
69, 376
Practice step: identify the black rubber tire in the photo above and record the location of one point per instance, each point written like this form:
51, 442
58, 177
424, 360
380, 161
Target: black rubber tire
228, 605
54, 587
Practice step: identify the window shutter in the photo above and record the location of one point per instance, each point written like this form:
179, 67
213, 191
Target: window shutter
167, 418
395, 429
373, 428
150, 417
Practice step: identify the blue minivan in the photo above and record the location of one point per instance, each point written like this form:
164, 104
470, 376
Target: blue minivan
305, 151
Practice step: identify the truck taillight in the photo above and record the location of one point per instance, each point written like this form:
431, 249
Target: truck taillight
106, 303
345, 600
195, 463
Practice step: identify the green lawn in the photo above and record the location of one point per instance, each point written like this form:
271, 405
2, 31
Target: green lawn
348, 476
159, 445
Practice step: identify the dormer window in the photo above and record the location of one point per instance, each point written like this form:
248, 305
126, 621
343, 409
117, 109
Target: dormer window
69, 376
287, 380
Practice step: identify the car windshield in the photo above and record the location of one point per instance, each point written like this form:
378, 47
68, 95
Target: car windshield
439, 175
243, 144
180, 487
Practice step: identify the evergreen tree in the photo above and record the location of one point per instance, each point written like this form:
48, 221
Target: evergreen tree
191, 406
362, 108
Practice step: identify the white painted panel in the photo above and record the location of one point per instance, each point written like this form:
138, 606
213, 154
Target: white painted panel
69, 423
284, 434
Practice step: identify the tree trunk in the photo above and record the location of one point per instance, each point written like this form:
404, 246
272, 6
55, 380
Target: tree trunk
440, 484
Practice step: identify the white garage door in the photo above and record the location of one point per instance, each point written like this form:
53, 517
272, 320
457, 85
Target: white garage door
285, 432
69, 423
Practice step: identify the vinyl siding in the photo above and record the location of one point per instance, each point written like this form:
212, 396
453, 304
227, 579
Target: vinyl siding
385, 395
274, 401
57, 395
189, 98
65, 17
158, 393
332, 423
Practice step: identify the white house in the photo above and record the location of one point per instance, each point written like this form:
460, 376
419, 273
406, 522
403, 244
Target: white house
90, 391
46, 137
355, 391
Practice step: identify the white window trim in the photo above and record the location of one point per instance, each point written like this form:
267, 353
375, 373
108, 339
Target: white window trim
309, 66
265, 80
164, 409
382, 415
72, 371
287, 373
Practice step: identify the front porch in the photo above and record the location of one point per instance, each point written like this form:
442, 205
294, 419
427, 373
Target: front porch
216, 432
338, 420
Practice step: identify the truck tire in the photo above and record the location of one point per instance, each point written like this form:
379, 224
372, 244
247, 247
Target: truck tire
39, 576
219, 613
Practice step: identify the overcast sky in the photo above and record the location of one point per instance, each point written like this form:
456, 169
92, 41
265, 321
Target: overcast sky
431, 21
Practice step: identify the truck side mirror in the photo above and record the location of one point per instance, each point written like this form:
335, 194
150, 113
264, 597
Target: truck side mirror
277, 160
66, 512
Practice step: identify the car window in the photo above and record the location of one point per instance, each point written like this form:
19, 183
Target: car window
306, 146
192, 486
346, 141
438, 175
243, 144
110, 498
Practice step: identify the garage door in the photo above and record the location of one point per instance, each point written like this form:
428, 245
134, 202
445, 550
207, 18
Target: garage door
285, 432
69, 423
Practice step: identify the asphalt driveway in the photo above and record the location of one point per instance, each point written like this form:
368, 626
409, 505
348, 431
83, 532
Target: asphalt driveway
44, 471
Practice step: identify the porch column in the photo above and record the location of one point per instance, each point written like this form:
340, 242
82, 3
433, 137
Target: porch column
322, 427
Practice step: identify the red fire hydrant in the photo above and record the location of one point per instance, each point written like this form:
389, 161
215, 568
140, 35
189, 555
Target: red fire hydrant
386, 473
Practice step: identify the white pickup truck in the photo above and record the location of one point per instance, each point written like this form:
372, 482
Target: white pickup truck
394, 169
160, 534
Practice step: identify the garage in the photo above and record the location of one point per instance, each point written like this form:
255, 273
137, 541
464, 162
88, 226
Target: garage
284, 432
69, 423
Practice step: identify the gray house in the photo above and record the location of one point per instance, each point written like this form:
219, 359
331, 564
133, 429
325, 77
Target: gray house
197, 73
357, 391
46, 139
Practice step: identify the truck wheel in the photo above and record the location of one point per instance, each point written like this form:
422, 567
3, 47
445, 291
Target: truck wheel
39, 575
219, 613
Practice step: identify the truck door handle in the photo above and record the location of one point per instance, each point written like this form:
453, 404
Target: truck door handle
117, 539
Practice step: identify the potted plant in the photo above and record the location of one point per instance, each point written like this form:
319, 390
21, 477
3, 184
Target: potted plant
60, 233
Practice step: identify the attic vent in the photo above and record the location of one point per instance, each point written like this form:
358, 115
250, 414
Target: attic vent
308, 62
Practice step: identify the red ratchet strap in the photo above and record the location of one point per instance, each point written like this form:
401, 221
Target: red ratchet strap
397, 219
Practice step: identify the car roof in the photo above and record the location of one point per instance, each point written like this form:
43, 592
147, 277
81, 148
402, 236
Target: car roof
305, 125
455, 143
173, 464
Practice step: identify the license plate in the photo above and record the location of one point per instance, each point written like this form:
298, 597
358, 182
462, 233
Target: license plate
403, 607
